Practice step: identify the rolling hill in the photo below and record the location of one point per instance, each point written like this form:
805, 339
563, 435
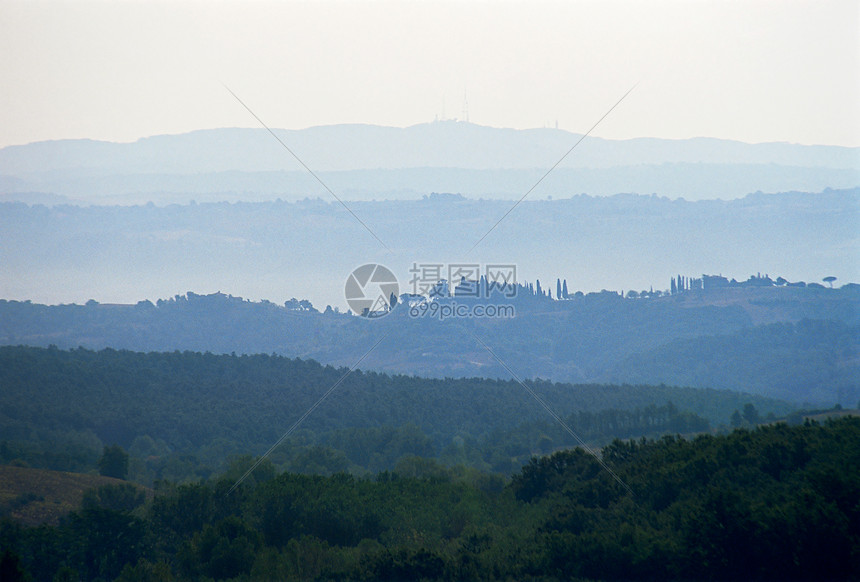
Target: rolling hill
41, 496
797, 343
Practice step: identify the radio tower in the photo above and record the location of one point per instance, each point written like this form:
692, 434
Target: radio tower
465, 107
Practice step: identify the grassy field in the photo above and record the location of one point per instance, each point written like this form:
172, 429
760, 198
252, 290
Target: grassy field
37, 496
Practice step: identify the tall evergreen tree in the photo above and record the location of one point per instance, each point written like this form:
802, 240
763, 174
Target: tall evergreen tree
114, 462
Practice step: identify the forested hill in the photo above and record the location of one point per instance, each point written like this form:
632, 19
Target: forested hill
795, 343
815, 359
214, 406
776, 503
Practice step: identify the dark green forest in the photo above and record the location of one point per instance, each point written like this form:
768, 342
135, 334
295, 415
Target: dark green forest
775, 503
397, 477
186, 416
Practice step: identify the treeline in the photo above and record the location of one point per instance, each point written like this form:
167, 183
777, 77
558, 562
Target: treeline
682, 284
774, 503
182, 415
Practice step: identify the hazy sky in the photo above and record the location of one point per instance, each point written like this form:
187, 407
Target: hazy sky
753, 71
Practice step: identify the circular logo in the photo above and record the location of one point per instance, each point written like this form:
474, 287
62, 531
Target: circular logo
371, 290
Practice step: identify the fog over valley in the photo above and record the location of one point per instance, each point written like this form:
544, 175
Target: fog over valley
439, 291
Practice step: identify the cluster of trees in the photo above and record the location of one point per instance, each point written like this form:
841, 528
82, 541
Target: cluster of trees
683, 284
515, 292
774, 503
114, 462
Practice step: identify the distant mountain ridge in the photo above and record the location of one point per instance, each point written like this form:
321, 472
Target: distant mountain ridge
197, 161
444, 144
